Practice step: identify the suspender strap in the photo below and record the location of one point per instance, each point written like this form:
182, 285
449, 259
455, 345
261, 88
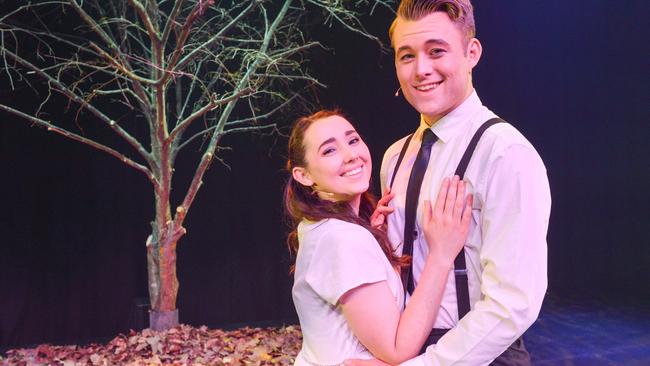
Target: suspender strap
400, 158
464, 161
460, 267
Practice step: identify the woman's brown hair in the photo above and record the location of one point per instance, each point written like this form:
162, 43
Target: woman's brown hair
302, 203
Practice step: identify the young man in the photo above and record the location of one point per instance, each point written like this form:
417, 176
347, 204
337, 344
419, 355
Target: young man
505, 254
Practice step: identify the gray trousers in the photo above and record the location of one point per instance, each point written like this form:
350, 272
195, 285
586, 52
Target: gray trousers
515, 355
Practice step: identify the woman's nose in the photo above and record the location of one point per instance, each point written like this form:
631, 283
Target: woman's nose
351, 154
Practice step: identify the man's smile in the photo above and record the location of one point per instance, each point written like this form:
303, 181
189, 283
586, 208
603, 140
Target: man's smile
428, 86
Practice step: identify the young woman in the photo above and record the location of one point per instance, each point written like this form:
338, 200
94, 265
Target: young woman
347, 289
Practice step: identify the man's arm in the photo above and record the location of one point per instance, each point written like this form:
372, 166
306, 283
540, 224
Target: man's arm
513, 224
371, 310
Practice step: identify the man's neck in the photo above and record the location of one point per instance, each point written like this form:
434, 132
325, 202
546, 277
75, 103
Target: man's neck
431, 120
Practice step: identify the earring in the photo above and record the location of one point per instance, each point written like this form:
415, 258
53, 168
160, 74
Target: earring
397, 91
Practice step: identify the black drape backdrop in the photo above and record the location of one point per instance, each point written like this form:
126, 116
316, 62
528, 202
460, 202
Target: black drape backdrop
571, 75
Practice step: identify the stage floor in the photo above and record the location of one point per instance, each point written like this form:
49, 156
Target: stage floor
585, 333
590, 334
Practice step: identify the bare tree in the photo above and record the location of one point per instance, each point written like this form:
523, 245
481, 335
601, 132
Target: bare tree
182, 71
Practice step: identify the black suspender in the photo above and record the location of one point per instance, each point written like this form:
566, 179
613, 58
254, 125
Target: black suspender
464, 161
400, 158
460, 267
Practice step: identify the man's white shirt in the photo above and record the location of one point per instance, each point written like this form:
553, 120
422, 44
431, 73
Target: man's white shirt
506, 250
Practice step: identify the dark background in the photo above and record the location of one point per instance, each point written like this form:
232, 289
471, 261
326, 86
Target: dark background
571, 75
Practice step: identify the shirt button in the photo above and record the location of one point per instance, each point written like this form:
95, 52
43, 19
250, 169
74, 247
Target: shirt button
415, 234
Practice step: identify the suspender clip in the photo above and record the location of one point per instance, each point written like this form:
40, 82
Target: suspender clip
460, 272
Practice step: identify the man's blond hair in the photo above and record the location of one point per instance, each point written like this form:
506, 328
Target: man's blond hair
461, 13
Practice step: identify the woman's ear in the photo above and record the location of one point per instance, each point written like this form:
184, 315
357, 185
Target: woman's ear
301, 175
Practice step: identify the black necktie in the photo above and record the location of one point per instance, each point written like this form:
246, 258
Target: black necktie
411, 205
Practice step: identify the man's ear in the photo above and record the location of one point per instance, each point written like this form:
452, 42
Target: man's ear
474, 51
301, 175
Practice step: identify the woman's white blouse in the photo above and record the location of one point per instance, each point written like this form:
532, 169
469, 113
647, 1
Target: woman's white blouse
334, 257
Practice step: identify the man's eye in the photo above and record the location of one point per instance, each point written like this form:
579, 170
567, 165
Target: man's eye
437, 51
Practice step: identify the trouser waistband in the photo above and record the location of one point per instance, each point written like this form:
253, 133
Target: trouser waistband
515, 355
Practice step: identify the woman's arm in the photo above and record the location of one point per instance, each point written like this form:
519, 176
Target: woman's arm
371, 310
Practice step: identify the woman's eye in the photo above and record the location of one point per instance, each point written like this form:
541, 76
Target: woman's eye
406, 57
354, 140
328, 151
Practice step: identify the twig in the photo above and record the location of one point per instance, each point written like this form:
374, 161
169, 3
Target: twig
62, 88
146, 19
214, 103
181, 64
208, 155
71, 135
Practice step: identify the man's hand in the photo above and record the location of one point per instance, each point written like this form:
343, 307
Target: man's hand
365, 363
378, 218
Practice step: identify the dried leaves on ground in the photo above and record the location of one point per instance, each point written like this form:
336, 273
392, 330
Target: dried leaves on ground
183, 345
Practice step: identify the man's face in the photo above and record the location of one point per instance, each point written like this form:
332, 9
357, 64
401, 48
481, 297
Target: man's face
434, 64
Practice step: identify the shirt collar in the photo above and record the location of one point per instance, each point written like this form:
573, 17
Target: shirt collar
453, 123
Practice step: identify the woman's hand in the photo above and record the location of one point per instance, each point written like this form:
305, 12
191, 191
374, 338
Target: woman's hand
447, 225
395, 337
378, 217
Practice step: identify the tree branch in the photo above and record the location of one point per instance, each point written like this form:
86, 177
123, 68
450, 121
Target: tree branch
214, 103
112, 45
30, 6
185, 60
181, 39
119, 91
95, 27
84, 140
249, 129
171, 20
347, 23
262, 116
291, 51
197, 181
62, 88
130, 74
146, 19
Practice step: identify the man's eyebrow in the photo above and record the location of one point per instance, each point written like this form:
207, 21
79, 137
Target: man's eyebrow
332, 139
403, 48
436, 41
428, 42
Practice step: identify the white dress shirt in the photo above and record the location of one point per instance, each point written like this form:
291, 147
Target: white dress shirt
506, 248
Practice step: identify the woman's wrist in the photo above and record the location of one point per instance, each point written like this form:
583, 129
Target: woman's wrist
439, 262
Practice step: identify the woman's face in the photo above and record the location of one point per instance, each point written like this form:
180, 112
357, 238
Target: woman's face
338, 161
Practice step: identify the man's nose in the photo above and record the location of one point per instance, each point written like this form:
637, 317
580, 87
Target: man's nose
423, 67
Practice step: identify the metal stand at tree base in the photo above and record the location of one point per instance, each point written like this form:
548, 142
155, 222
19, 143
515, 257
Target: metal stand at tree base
163, 320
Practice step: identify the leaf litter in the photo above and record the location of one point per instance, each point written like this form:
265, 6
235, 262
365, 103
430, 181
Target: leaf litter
180, 346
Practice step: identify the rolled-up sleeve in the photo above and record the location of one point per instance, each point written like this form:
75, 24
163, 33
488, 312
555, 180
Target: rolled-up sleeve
514, 222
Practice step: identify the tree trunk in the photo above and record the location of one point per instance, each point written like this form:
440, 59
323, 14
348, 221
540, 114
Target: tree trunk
163, 283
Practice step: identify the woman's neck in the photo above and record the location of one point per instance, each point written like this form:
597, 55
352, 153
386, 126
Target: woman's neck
354, 201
